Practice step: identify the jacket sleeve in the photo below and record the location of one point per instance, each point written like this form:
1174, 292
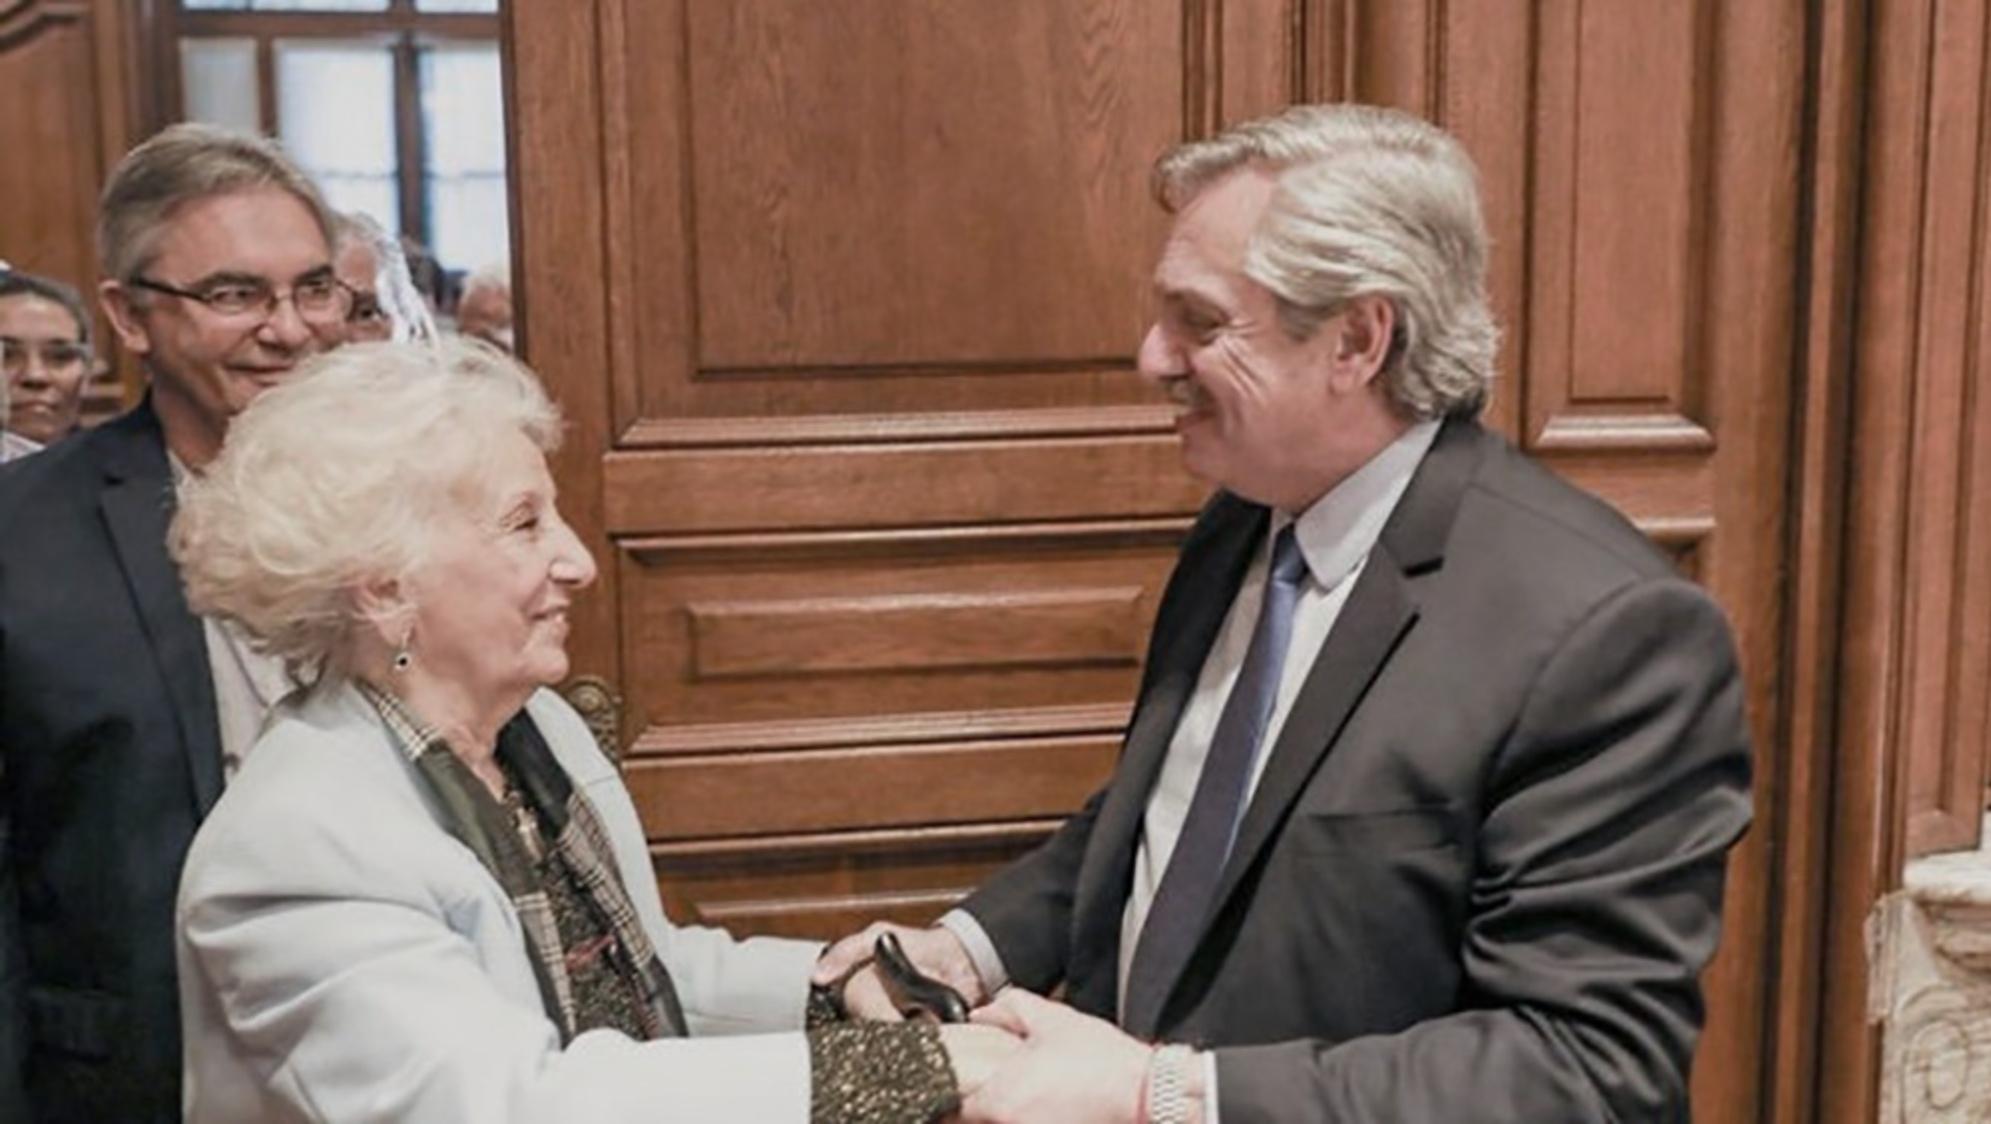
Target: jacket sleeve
1026, 908
345, 983
1595, 901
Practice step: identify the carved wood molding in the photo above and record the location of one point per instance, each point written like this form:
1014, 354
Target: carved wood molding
22, 20
1922, 419
956, 425
601, 708
1203, 67
895, 729
1660, 430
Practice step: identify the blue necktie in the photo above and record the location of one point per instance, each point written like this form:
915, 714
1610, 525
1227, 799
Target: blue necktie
1182, 903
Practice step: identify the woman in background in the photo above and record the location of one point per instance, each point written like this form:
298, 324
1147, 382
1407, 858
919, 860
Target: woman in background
426, 896
45, 352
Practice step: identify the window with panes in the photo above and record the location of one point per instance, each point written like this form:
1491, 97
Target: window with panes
395, 107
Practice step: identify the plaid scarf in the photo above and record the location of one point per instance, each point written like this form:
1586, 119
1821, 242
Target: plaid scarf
482, 824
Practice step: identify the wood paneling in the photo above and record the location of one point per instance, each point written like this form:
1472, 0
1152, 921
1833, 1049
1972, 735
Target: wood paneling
912, 632
48, 183
67, 120
1820, 984
807, 885
1036, 619
848, 267
868, 485
1946, 502
730, 794
1911, 664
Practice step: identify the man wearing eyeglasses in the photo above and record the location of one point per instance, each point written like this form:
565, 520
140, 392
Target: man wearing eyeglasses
121, 713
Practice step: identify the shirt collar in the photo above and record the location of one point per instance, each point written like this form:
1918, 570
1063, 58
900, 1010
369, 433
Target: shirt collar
1339, 530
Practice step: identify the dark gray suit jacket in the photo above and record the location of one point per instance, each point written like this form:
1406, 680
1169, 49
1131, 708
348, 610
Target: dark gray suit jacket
1483, 869
109, 757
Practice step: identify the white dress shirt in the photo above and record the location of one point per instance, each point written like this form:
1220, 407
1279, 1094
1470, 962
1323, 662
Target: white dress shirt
13, 446
1335, 536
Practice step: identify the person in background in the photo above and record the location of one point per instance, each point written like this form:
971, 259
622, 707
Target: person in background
386, 305
426, 896
121, 712
1425, 803
46, 354
484, 310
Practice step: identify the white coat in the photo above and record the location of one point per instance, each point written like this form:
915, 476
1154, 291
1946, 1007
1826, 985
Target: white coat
343, 958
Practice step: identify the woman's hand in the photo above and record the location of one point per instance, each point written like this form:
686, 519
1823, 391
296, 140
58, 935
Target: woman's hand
976, 1052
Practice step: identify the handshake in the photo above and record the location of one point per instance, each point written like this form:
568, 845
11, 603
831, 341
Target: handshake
1016, 1056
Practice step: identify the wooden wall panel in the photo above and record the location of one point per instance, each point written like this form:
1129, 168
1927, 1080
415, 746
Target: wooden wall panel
1615, 313
48, 182
1820, 982
1911, 670
808, 885
845, 269
66, 121
937, 171
1946, 504
712, 619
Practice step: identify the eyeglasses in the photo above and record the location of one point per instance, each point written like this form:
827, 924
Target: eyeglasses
56, 355
321, 298
366, 311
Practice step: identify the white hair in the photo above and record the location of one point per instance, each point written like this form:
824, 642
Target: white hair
408, 314
1370, 202
336, 479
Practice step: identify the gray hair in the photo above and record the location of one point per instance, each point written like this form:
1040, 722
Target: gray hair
180, 164
337, 477
393, 285
1370, 202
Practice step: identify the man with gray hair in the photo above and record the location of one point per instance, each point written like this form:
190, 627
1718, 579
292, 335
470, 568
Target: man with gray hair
386, 305
120, 711
1423, 810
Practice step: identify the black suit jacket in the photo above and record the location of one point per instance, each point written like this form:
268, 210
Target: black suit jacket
1483, 867
109, 757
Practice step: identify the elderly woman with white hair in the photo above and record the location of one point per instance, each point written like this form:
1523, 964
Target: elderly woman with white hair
426, 896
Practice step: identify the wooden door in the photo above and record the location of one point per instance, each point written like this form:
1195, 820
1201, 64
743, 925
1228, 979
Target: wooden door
842, 299
67, 118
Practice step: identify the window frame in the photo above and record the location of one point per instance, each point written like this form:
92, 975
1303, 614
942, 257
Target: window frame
402, 29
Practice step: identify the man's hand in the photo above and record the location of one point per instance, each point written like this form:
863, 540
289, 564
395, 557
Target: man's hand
934, 951
1072, 1068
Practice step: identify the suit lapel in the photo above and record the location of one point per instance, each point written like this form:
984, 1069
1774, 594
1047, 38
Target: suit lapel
1211, 572
1380, 610
137, 503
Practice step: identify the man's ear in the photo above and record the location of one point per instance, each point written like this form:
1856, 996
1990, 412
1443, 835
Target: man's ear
125, 321
1360, 340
